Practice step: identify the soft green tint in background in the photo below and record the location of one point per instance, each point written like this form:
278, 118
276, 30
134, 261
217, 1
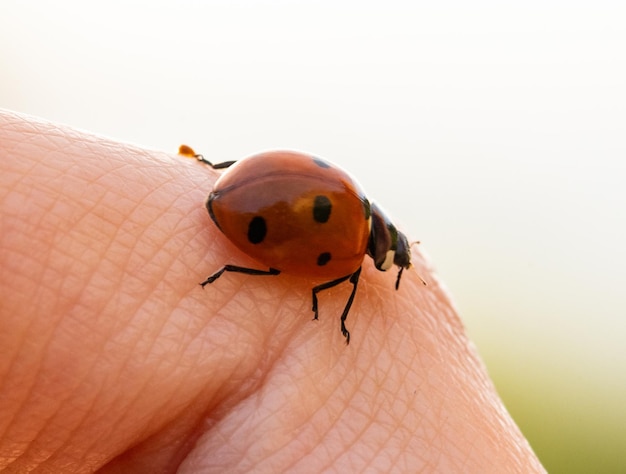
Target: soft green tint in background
495, 133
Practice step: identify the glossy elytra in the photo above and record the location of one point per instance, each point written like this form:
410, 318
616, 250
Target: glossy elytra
298, 214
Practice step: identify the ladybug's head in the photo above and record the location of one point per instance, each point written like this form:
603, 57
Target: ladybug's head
387, 245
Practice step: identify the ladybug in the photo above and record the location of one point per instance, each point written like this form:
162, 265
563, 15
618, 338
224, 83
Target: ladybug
299, 214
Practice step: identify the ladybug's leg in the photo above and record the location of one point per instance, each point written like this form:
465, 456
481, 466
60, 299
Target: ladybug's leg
215, 166
322, 287
354, 279
235, 269
186, 150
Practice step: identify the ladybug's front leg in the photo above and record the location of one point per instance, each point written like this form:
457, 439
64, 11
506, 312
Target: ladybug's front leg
236, 269
354, 279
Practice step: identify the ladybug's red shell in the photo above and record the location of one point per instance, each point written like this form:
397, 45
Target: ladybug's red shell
293, 212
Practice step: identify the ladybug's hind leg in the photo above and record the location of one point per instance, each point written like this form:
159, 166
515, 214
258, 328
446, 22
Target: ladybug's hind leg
236, 269
354, 279
186, 150
215, 166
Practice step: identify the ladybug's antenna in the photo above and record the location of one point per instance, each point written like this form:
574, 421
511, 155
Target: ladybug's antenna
400, 276
421, 279
415, 242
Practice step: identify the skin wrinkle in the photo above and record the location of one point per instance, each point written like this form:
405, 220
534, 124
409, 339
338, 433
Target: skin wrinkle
149, 418
168, 446
25, 325
257, 381
401, 410
398, 436
64, 417
95, 400
374, 402
16, 440
33, 395
149, 351
147, 259
269, 450
312, 411
263, 395
25, 453
303, 441
311, 445
44, 445
267, 415
309, 420
429, 406
38, 450
369, 428
127, 400
335, 426
28, 391
381, 405
88, 409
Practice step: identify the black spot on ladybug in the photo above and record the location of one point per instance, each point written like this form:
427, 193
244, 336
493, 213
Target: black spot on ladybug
321, 163
323, 258
257, 229
321, 209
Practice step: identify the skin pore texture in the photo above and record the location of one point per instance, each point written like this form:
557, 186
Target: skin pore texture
113, 359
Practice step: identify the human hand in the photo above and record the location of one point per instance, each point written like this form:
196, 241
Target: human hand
113, 358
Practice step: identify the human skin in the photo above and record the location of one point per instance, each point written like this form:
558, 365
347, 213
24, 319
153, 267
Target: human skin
113, 358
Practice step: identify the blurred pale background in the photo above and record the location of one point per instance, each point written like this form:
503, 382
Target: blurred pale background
494, 134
